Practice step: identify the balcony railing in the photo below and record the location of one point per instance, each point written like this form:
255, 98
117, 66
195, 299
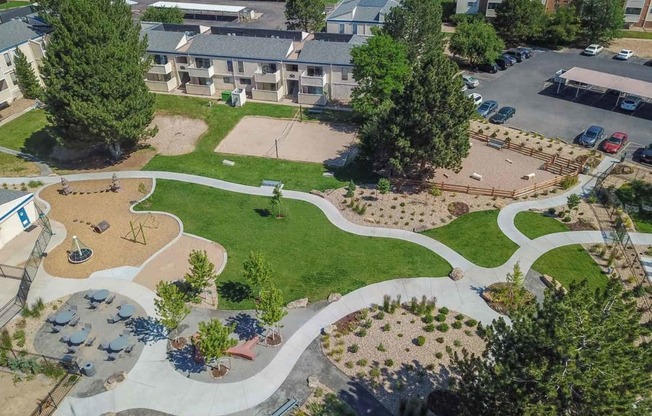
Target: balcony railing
268, 77
161, 69
312, 99
200, 89
265, 95
193, 71
162, 86
5, 95
313, 80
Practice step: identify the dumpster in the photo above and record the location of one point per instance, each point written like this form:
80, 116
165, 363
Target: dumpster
226, 97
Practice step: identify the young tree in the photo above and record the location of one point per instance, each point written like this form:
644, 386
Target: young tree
306, 15
563, 27
170, 305
428, 127
384, 186
477, 41
257, 272
580, 353
380, 67
573, 201
519, 20
277, 201
270, 309
94, 72
201, 273
214, 339
350, 189
163, 15
27, 81
601, 20
516, 280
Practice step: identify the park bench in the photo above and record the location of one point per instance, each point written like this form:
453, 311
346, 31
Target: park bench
245, 350
496, 144
272, 184
283, 410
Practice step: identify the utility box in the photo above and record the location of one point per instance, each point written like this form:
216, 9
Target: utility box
238, 97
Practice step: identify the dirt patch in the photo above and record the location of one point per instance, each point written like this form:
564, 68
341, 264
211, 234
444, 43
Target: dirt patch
92, 204
641, 47
302, 141
23, 397
102, 163
177, 135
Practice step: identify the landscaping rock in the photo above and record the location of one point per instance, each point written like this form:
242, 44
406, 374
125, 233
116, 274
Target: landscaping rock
420, 228
456, 274
313, 382
552, 282
227, 162
329, 329
317, 192
334, 297
299, 303
369, 219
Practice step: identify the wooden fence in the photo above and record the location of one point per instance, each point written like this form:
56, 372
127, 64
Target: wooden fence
478, 190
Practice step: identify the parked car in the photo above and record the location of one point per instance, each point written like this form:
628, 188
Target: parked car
487, 108
503, 115
591, 136
489, 67
503, 63
615, 143
646, 155
624, 54
464, 87
470, 81
516, 54
593, 50
477, 98
528, 53
630, 103
509, 58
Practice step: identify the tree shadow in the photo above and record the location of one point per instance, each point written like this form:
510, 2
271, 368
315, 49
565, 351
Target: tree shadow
40, 143
478, 289
147, 329
246, 326
263, 212
234, 291
183, 360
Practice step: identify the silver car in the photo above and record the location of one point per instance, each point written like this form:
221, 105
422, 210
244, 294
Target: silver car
470, 81
630, 103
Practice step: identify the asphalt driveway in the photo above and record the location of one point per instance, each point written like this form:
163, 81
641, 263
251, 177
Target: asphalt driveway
540, 109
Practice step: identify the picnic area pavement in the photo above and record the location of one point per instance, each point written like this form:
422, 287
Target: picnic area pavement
153, 383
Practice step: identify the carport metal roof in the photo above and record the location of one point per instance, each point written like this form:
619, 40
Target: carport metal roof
610, 81
199, 7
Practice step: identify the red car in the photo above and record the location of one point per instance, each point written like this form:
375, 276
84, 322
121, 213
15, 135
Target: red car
615, 143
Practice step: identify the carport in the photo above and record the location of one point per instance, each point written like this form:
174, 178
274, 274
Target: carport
629, 86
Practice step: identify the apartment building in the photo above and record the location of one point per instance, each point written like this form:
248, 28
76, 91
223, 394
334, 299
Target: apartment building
28, 36
269, 65
358, 17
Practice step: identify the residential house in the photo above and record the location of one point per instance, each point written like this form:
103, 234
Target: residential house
358, 17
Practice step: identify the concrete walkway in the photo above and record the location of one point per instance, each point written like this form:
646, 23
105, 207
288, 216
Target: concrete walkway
154, 384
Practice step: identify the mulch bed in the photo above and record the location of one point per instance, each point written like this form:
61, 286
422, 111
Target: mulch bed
490, 293
458, 208
179, 343
581, 226
219, 371
348, 323
273, 340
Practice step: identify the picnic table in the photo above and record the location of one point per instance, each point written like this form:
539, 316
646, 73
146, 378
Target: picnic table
78, 337
63, 317
119, 343
126, 311
100, 295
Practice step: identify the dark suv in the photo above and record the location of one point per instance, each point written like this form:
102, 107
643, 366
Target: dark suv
488, 67
503, 63
526, 51
516, 54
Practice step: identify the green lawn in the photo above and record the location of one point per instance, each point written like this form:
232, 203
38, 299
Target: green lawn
310, 256
534, 225
247, 170
27, 134
571, 264
477, 237
14, 166
13, 4
635, 34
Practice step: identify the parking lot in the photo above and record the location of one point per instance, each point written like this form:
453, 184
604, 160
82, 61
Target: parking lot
540, 109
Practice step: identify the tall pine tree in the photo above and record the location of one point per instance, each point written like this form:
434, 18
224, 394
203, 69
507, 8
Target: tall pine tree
94, 75
27, 81
581, 353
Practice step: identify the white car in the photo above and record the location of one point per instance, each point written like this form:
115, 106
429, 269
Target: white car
630, 103
593, 50
477, 98
470, 81
624, 54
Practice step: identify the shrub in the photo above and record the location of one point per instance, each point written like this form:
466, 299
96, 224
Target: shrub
439, 355
5, 340
468, 332
34, 184
362, 362
567, 219
353, 348
381, 347
380, 315
459, 317
427, 319
444, 310
429, 328
457, 324
367, 323
389, 362
471, 323
374, 372
349, 364
440, 340
400, 335
457, 343
569, 182
443, 327
449, 349
386, 328
440, 318
421, 340
362, 332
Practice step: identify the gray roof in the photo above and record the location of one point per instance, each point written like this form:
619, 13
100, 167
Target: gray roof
240, 47
8, 195
17, 12
336, 53
16, 32
159, 41
363, 10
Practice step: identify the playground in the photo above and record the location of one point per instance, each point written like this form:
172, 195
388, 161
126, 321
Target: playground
304, 141
129, 240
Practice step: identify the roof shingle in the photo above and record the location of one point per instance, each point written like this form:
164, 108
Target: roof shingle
241, 47
16, 32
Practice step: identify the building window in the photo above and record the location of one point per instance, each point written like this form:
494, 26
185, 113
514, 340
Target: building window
355, 29
492, 6
229, 65
292, 68
341, 27
12, 75
241, 67
245, 81
3, 85
160, 59
633, 10
345, 74
227, 80
314, 71
204, 81
470, 3
309, 89
268, 68
7, 59
202, 63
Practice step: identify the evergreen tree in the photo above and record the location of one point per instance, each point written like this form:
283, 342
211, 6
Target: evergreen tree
428, 127
580, 353
201, 273
519, 20
163, 15
477, 41
170, 305
270, 308
27, 81
94, 75
306, 15
601, 20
